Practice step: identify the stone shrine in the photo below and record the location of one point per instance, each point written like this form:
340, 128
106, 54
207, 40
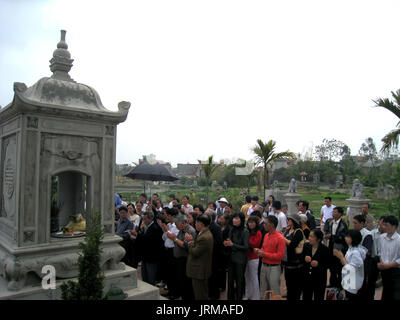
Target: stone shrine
57, 159
356, 201
291, 197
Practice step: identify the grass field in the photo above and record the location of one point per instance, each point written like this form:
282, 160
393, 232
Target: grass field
315, 196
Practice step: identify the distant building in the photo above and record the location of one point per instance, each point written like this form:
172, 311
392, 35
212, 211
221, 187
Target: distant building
151, 158
188, 170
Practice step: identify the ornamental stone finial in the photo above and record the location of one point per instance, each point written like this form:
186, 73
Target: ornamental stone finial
61, 63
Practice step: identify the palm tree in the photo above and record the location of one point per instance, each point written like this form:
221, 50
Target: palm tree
265, 155
391, 140
208, 169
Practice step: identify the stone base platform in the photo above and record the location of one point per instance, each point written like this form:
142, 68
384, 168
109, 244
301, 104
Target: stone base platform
125, 279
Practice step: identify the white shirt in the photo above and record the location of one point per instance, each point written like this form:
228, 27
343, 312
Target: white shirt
135, 218
282, 220
168, 243
389, 248
335, 226
327, 212
170, 205
375, 236
355, 257
188, 208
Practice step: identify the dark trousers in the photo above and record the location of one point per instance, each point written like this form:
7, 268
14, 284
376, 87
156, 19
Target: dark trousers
200, 289
314, 288
367, 291
127, 245
236, 277
149, 272
163, 266
391, 284
171, 278
335, 270
185, 288
214, 283
294, 282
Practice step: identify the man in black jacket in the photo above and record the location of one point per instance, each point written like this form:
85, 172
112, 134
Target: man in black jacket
150, 244
336, 232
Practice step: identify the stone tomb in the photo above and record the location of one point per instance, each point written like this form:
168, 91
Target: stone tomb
57, 158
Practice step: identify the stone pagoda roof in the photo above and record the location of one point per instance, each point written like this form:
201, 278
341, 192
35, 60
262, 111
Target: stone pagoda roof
61, 92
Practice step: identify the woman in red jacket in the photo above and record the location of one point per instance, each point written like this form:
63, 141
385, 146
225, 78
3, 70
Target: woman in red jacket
252, 290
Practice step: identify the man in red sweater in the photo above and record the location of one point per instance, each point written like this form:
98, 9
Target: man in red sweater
272, 253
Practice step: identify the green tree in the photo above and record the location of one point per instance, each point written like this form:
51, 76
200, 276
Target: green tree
368, 150
331, 150
208, 169
391, 140
90, 283
265, 155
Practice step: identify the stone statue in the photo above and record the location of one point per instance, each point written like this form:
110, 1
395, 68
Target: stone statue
316, 177
357, 190
292, 186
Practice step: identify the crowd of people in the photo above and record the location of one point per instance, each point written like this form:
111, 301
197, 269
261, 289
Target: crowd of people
196, 253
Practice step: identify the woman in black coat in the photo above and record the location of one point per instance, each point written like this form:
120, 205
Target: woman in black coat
238, 242
316, 261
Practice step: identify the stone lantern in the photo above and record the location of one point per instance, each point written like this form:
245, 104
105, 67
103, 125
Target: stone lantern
57, 158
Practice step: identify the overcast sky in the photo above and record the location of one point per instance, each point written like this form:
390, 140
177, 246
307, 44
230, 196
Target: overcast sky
211, 77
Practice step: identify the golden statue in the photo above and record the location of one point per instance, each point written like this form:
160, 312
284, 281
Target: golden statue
77, 223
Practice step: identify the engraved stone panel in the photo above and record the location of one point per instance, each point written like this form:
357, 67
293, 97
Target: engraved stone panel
11, 126
32, 122
30, 188
73, 127
8, 183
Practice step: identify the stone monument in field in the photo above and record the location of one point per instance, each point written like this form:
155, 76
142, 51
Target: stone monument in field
356, 201
57, 160
291, 197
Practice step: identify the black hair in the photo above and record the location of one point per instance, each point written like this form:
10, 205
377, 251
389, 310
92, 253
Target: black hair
143, 195
120, 196
277, 205
298, 202
172, 212
255, 220
360, 218
172, 196
392, 220
329, 198
200, 206
240, 216
255, 198
213, 204
305, 204
155, 194
122, 208
255, 213
204, 219
185, 196
368, 205
271, 196
273, 220
355, 236
248, 199
339, 209
318, 233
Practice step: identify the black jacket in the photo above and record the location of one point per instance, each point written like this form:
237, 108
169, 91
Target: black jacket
218, 246
150, 243
240, 238
317, 274
337, 241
